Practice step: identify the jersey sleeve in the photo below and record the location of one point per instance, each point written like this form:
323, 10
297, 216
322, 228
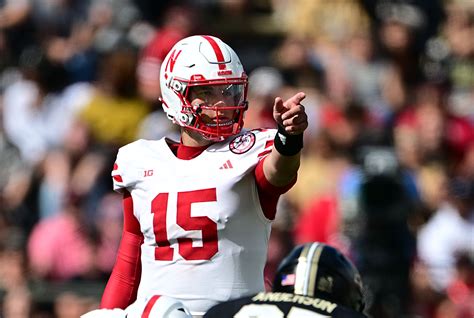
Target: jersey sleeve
126, 171
264, 141
268, 193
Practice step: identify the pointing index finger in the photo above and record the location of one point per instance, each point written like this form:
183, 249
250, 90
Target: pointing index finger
296, 99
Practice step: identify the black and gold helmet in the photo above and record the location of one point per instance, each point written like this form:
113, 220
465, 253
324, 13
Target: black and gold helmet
321, 271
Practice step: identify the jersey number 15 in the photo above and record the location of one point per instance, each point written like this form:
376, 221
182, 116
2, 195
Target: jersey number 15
208, 228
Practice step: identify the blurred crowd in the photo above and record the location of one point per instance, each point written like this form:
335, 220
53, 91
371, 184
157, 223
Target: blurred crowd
387, 171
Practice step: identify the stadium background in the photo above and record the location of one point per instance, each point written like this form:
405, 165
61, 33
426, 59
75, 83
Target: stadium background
387, 171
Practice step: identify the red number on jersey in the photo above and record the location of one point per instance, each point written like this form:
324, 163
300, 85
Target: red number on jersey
163, 252
208, 228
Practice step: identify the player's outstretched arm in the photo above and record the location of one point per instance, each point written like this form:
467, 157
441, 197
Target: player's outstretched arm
281, 166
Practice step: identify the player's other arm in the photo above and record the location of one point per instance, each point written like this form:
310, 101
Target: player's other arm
121, 289
281, 165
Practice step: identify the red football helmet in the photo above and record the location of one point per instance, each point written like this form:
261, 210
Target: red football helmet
207, 70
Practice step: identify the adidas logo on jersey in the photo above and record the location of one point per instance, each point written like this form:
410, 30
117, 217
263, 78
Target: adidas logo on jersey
227, 165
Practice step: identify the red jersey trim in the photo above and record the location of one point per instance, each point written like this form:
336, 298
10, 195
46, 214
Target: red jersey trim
186, 152
117, 177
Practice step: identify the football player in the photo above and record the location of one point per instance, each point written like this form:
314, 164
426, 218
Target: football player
198, 212
314, 280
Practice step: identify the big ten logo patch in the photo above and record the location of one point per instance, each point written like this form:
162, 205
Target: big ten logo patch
148, 173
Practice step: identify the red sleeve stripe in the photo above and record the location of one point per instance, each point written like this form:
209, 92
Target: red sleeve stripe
217, 50
149, 306
268, 144
117, 178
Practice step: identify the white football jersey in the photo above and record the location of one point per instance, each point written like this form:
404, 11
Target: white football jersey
205, 234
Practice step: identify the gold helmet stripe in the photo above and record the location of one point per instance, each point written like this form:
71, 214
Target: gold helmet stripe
307, 269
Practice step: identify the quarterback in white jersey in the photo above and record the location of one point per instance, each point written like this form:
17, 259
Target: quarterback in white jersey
197, 214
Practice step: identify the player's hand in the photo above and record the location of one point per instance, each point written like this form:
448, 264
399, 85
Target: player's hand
291, 114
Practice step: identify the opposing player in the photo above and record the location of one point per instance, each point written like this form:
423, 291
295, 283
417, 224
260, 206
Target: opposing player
314, 280
197, 213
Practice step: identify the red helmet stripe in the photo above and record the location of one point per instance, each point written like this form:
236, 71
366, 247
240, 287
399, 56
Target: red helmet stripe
217, 50
149, 306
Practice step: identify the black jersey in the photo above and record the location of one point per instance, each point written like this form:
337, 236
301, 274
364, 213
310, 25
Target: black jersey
280, 305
